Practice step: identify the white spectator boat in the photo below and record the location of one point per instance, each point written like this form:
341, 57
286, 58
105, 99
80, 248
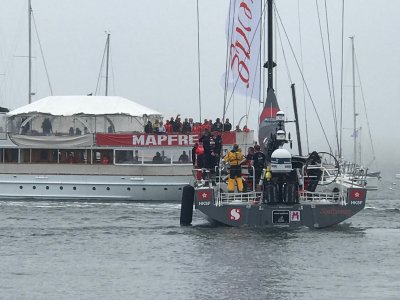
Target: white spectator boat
94, 148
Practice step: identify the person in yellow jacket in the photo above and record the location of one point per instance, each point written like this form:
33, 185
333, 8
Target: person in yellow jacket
235, 158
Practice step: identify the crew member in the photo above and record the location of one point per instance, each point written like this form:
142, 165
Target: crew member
198, 156
235, 158
208, 144
258, 161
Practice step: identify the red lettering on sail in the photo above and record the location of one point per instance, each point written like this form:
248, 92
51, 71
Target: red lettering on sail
241, 47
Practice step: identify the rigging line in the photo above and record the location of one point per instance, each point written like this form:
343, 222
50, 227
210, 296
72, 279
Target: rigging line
365, 109
341, 87
198, 56
305, 83
248, 106
251, 43
284, 55
101, 69
41, 52
228, 57
330, 59
276, 57
16, 40
302, 70
112, 70
327, 74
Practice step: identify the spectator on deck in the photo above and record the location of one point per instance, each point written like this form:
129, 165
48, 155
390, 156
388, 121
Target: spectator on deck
172, 122
245, 129
184, 158
217, 126
157, 159
46, 126
186, 126
161, 128
205, 125
177, 126
191, 123
196, 128
156, 126
168, 127
148, 128
227, 125
238, 129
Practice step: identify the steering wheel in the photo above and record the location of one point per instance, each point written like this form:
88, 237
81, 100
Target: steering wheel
324, 158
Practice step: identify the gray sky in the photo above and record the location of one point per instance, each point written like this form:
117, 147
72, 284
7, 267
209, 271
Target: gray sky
154, 54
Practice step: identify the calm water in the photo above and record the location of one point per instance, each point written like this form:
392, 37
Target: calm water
79, 250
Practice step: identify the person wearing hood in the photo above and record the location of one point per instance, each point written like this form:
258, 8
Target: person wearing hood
234, 158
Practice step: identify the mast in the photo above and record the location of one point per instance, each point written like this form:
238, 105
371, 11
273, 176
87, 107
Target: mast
296, 116
107, 63
30, 51
270, 62
354, 100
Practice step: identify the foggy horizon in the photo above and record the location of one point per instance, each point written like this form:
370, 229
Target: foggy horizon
154, 62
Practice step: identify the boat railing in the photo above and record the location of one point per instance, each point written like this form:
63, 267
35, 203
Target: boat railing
329, 173
238, 198
307, 196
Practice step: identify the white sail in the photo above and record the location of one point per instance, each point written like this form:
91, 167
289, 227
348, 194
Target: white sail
244, 53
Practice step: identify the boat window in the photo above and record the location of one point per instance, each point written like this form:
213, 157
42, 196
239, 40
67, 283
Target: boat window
11, 155
156, 156
182, 156
127, 157
104, 157
3, 133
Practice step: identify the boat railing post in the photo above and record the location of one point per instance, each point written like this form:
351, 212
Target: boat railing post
254, 178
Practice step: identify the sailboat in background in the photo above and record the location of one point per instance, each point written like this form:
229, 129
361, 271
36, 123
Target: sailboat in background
354, 171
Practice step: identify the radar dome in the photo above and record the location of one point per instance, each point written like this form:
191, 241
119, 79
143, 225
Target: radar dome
281, 161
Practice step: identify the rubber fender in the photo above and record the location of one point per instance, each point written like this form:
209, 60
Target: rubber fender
187, 205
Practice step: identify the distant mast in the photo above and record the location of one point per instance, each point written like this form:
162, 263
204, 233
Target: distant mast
107, 61
354, 100
30, 51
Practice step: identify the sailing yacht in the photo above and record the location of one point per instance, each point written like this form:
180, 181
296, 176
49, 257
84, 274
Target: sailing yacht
295, 190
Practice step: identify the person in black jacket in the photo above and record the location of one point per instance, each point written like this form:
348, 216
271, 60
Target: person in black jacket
148, 128
208, 144
258, 162
217, 126
227, 125
186, 126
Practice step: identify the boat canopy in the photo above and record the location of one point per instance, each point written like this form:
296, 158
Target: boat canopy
84, 105
76, 115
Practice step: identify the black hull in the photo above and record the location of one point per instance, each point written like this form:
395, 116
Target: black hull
312, 215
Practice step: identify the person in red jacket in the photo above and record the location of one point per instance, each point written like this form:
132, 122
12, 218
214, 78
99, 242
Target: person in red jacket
205, 125
198, 156
196, 128
168, 127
